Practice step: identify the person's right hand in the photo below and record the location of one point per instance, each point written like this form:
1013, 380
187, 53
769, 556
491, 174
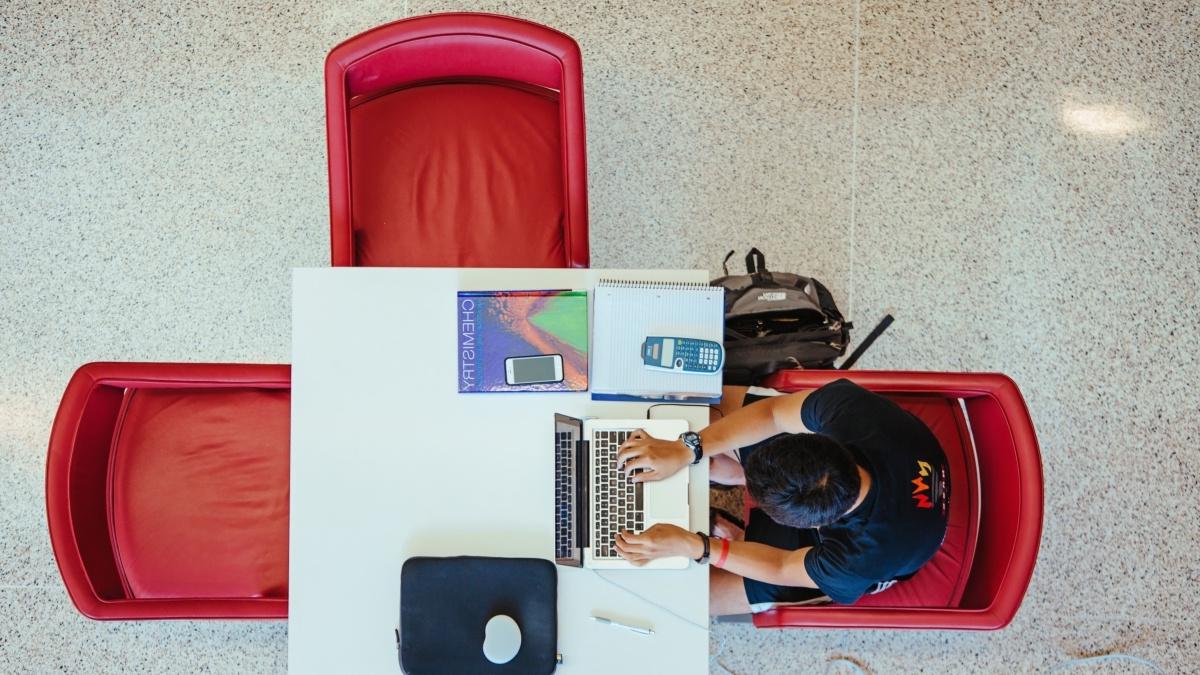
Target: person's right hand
651, 458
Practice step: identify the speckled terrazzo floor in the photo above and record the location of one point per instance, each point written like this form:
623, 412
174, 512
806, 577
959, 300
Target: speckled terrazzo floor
1017, 182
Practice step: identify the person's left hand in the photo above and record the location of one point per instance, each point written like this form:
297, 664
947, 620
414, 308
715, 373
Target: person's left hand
660, 541
643, 457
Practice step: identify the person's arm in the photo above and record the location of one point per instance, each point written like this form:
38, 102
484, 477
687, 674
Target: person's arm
659, 458
752, 423
748, 559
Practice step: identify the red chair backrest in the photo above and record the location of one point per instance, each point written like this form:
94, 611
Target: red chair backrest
459, 48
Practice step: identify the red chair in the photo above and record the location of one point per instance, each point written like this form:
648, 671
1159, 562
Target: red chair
979, 576
167, 490
457, 140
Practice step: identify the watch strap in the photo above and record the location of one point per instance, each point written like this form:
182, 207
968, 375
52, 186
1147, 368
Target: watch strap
704, 556
691, 439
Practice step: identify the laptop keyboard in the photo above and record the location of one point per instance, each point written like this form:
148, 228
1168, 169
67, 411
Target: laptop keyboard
564, 486
618, 501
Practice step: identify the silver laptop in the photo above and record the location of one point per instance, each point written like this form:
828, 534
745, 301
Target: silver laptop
593, 500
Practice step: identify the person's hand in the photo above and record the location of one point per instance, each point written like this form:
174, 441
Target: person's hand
652, 458
660, 541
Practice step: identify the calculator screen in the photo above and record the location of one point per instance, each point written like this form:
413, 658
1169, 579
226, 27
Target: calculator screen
668, 352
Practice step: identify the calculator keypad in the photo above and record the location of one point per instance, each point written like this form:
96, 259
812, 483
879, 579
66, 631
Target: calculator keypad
707, 358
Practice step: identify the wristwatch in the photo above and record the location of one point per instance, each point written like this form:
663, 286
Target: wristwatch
691, 440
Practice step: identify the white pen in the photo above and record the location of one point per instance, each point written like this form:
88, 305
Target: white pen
618, 624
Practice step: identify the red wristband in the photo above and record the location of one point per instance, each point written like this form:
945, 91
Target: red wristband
720, 561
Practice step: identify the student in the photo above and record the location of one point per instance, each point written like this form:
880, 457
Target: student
852, 494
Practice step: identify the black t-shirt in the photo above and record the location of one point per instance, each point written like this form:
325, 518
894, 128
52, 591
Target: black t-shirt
902, 521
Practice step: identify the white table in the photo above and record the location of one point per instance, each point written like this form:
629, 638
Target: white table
390, 462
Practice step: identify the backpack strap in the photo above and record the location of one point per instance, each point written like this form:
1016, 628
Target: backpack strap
725, 262
870, 339
756, 266
755, 261
825, 300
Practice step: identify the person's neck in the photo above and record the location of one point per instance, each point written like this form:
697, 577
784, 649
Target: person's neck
864, 487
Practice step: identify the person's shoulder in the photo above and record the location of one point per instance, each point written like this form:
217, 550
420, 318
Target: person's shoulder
868, 555
844, 392
829, 401
846, 564
842, 384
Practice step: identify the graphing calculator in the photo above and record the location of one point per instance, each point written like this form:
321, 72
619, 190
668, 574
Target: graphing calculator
683, 355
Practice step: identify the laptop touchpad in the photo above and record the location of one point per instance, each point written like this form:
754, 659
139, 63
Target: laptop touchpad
667, 500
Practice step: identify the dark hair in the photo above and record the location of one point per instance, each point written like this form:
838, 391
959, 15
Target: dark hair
803, 480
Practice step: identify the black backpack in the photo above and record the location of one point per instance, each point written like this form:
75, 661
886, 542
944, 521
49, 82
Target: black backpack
776, 320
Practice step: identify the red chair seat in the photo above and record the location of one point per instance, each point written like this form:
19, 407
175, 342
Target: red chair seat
445, 174
198, 493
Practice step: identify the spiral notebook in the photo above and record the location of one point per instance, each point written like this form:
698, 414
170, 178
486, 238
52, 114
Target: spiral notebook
626, 312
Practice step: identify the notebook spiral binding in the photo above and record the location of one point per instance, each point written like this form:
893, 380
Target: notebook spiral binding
656, 285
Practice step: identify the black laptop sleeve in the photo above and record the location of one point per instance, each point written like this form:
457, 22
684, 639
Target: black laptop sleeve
445, 603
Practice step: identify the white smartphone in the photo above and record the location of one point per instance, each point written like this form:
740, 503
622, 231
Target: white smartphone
533, 369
